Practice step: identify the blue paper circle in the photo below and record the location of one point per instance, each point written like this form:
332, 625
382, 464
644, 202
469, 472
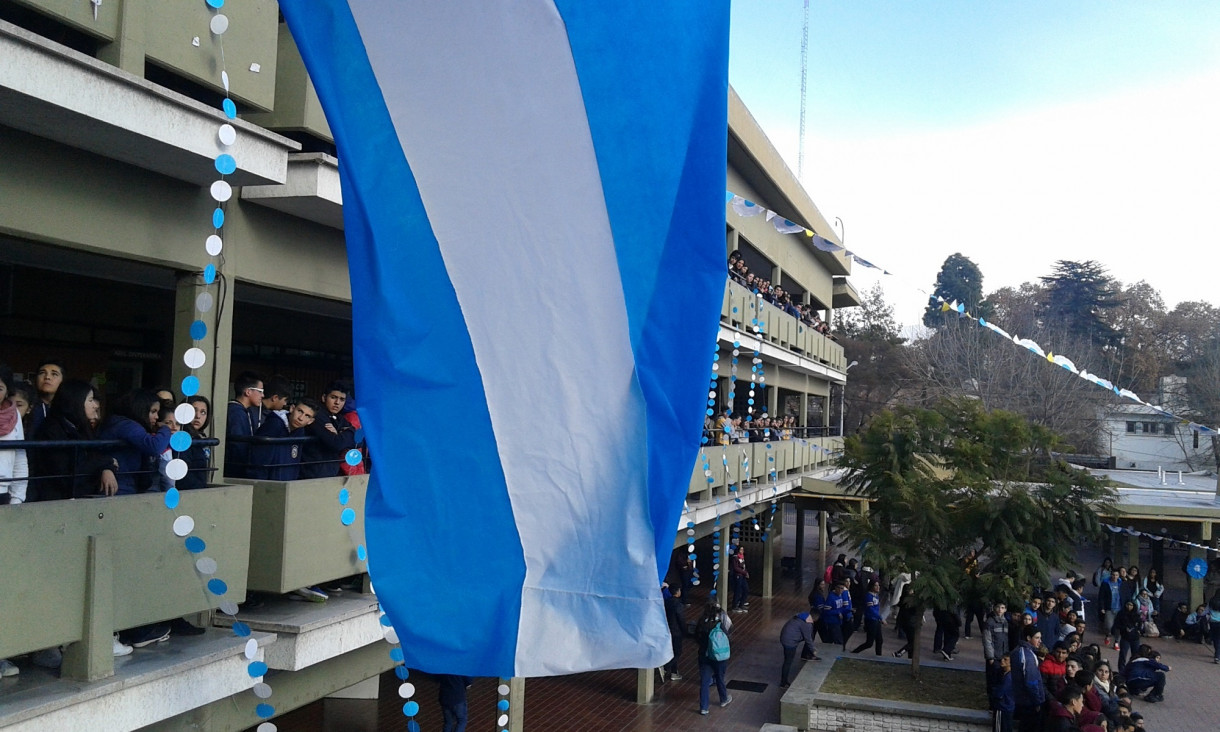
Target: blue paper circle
225, 164
190, 386
411, 708
240, 629
264, 711
710, 412
171, 495
1197, 568
195, 545
217, 586
385, 620
502, 705
256, 669
347, 517
344, 497
412, 725
353, 457
180, 441
218, 218
396, 655
209, 274
230, 108
402, 672
216, 3
361, 553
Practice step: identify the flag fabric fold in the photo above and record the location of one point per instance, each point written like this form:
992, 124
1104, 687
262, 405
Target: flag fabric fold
530, 539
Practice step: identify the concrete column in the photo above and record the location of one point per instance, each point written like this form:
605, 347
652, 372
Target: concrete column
722, 558
1158, 559
1198, 594
1133, 551
800, 545
217, 344
353, 709
92, 657
823, 542
732, 241
515, 696
768, 567
127, 50
804, 420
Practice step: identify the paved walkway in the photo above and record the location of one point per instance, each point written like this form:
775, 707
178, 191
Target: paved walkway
605, 701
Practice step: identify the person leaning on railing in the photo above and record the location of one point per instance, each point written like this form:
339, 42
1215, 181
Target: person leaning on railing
144, 439
13, 466
71, 472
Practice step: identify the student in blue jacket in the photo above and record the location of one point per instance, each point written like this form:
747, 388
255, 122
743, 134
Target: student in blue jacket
282, 461
136, 425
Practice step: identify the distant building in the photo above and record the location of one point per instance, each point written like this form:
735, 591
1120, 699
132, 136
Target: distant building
1140, 438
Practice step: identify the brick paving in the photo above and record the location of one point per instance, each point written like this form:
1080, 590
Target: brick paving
605, 701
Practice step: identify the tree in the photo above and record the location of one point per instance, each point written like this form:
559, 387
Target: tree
945, 482
1078, 294
959, 280
1141, 358
871, 338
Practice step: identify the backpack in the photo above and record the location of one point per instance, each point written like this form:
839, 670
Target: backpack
717, 644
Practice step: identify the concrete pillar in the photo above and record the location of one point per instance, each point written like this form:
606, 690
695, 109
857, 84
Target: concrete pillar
127, 49
722, 558
732, 241
1198, 587
768, 567
1133, 551
645, 685
217, 345
353, 709
800, 545
92, 657
1158, 559
512, 691
823, 542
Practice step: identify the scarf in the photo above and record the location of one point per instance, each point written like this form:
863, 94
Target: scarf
8, 417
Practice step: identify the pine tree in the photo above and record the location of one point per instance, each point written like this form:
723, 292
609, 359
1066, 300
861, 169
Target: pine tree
1077, 295
959, 280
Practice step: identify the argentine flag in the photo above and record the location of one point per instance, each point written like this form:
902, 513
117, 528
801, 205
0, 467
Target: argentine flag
534, 206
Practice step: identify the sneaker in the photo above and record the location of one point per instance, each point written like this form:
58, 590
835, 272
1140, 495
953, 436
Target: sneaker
49, 658
899, 653
1154, 698
675, 676
703, 712
945, 655
178, 626
146, 635
727, 701
8, 668
313, 594
120, 648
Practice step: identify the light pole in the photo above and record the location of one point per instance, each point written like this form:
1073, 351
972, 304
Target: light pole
843, 395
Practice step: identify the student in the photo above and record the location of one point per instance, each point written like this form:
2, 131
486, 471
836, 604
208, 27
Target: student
47, 380
23, 399
948, 628
14, 469
1147, 673
282, 461
741, 581
138, 426
198, 457
240, 422
713, 622
995, 640
65, 473
677, 629
1029, 693
798, 630
872, 618
451, 694
332, 435
1001, 696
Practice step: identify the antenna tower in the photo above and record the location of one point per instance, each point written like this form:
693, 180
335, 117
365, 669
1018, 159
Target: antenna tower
800, 144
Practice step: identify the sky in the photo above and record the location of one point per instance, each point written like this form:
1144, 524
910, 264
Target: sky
1016, 133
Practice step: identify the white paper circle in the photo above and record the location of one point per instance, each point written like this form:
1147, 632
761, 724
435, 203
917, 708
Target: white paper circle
184, 413
502, 689
219, 24
406, 690
221, 191
224, 79
391, 636
176, 469
228, 607
267, 727
184, 525
262, 690
204, 302
502, 721
205, 565
251, 649
193, 358
214, 244
227, 134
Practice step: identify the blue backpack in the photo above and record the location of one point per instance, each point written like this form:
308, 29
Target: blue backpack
717, 644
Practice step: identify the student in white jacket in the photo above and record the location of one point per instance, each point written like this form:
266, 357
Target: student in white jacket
14, 470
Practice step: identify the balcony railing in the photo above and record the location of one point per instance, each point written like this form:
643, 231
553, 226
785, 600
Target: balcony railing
741, 308
754, 461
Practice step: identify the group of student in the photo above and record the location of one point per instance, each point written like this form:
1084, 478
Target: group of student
775, 295
321, 432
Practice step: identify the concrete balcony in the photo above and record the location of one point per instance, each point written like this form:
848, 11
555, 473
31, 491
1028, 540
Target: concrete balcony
754, 461
803, 346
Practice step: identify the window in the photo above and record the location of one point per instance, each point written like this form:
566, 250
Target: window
1131, 427
1196, 440
1169, 429
1150, 427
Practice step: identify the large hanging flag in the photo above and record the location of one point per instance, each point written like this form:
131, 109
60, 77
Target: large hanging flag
531, 342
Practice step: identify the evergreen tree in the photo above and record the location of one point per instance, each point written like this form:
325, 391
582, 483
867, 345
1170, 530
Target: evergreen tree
959, 280
1077, 295
971, 502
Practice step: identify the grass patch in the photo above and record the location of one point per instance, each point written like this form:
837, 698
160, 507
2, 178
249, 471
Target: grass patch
879, 680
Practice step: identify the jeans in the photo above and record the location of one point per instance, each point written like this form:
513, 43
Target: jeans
1138, 686
785, 674
741, 590
873, 637
1029, 719
1126, 649
1216, 640
455, 717
710, 671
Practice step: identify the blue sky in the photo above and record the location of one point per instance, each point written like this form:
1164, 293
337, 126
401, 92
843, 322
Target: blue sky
1018, 133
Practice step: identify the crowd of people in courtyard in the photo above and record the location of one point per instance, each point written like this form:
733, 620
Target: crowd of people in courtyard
775, 295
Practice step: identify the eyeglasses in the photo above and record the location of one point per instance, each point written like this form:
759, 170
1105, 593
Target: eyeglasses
255, 388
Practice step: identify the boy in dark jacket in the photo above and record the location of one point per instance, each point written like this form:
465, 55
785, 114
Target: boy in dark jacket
282, 461
1147, 672
1002, 701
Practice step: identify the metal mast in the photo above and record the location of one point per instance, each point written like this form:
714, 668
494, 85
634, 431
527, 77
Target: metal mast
800, 145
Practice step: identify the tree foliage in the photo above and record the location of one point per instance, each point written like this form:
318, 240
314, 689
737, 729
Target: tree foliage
871, 338
947, 481
960, 280
1078, 295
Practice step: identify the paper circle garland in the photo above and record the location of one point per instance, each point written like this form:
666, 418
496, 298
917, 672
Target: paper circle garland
225, 164
502, 705
262, 690
403, 673
410, 708
190, 386
391, 636
240, 629
221, 190
217, 586
184, 525
195, 545
176, 469
230, 108
406, 690
219, 24
251, 649
353, 457
209, 276
347, 517
172, 496
267, 727
180, 441
227, 136
1197, 568
502, 689
264, 710
228, 607
256, 669
214, 244
217, 4
206, 565
185, 413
